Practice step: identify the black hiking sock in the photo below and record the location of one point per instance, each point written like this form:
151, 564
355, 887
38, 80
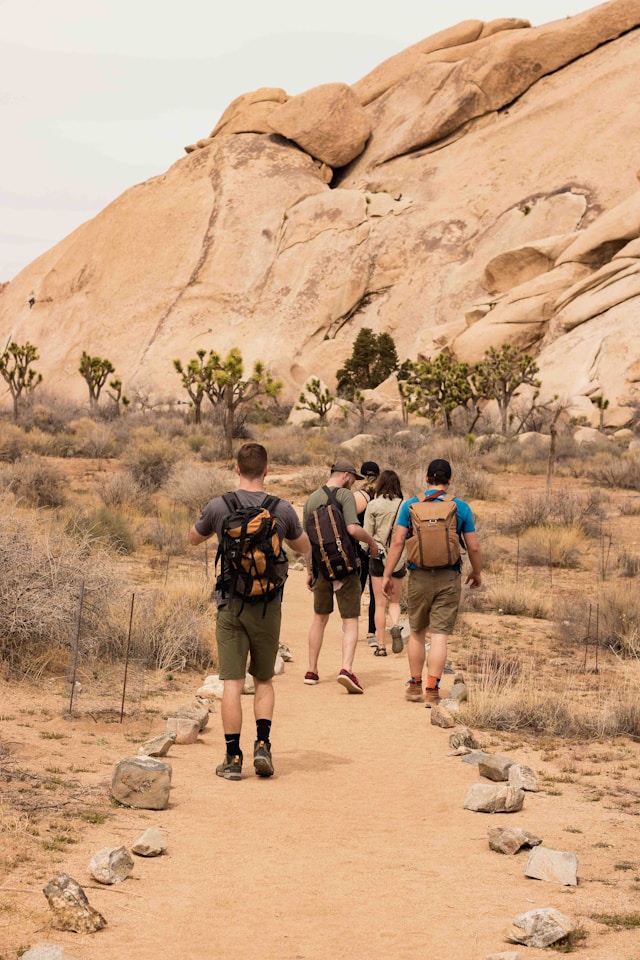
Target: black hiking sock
263, 730
232, 741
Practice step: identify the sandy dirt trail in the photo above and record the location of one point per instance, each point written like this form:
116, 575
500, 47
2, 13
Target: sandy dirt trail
358, 848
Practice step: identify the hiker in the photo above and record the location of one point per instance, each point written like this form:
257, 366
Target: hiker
248, 627
339, 579
433, 596
364, 494
379, 520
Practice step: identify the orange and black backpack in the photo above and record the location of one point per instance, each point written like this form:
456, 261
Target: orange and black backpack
254, 566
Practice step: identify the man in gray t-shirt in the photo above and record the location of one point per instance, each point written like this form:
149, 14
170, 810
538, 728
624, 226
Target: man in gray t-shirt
249, 630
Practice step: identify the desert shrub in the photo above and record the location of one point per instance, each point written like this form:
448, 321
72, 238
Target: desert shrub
308, 480
120, 490
92, 438
288, 445
615, 469
14, 443
41, 573
629, 564
149, 459
473, 483
535, 510
556, 545
168, 536
631, 507
105, 526
521, 601
192, 487
501, 702
619, 619
174, 628
35, 482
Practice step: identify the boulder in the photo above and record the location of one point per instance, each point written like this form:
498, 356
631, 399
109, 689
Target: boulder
539, 928
509, 840
150, 844
70, 906
111, 865
327, 122
487, 798
554, 866
142, 782
184, 729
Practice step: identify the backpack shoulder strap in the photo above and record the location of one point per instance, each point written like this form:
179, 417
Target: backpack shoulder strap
232, 500
270, 503
332, 496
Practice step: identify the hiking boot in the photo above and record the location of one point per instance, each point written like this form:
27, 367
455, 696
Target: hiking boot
431, 696
311, 677
350, 682
396, 639
262, 758
413, 691
230, 768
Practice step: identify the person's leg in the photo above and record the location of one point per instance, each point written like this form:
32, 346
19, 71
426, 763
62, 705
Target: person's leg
263, 709
348, 597
349, 643
437, 657
231, 707
380, 607
444, 611
316, 636
233, 649
418, 602
397, 644
373, 601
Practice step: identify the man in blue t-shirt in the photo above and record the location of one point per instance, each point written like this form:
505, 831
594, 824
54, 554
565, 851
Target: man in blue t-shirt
433, 595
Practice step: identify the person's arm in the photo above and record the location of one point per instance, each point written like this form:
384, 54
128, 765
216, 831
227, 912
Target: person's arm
393, 556
358, 533
195, 538
475, 557
362, 498
302, 546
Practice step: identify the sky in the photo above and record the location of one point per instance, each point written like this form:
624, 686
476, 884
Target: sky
98, 95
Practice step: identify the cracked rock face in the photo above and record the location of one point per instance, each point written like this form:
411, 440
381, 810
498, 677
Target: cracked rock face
411, 203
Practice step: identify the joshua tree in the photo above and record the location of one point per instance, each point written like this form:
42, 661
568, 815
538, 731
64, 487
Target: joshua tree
316, 398
500, 374
95, 371
15, 367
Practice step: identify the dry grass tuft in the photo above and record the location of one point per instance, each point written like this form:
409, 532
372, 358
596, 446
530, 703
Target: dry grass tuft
520, 600
560, 546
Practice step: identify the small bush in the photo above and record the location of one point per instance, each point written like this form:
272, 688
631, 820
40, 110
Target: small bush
36, 482
175, 629
120, 490
556, 545
520, 601
629, 564
105, 526
585, 512
619, 619
149, 460
615, 470
192, 487
13, 443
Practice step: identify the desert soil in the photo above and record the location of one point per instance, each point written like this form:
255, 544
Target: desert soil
358, 847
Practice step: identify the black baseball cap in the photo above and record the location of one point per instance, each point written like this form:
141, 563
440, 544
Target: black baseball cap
439, 468
370, 469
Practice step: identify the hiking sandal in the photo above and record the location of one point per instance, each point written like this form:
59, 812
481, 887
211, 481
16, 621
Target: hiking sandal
380, 652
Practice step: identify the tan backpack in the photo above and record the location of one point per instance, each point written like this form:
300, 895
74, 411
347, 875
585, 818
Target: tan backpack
433, 540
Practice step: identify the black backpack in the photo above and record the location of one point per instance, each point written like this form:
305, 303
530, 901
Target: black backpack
254, 566
332, 547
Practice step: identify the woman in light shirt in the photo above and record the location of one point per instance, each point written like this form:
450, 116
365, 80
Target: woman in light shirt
379, 521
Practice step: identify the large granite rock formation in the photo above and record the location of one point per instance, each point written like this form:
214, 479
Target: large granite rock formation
477, 188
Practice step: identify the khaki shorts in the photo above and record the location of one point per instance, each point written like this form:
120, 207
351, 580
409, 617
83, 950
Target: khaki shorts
240, 635
348, 597
433, 598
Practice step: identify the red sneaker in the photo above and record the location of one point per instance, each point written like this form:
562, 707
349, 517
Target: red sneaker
350, 682
311, 677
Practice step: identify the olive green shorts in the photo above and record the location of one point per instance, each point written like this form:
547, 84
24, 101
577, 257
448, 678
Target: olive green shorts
347, 597
248, 634
433, 598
